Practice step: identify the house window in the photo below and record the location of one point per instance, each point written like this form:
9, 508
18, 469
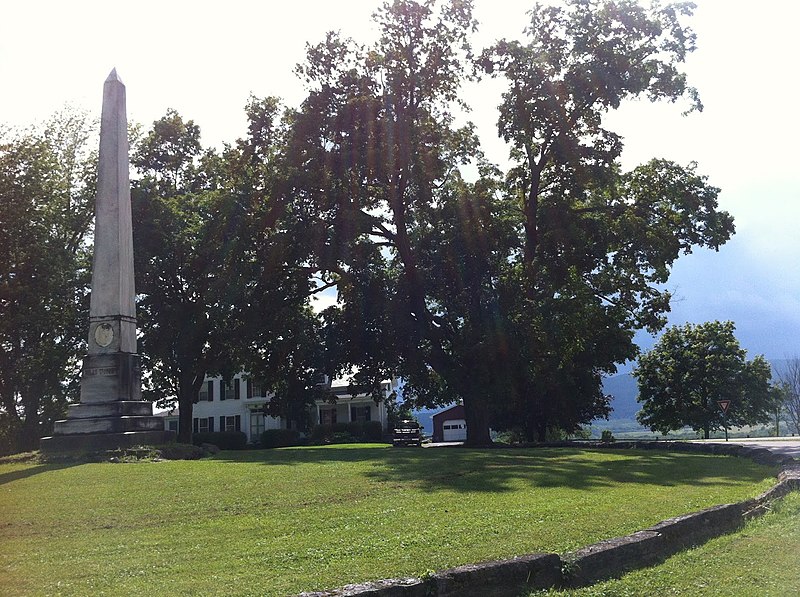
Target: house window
327, 416
230, 390
253, 389
232, 423
206, 392
360, 414
173, 426
203, 425
256, 425
226, 391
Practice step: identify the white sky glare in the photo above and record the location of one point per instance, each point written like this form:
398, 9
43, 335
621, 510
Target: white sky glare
205, 58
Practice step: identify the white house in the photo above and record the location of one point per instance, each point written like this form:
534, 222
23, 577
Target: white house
238, 405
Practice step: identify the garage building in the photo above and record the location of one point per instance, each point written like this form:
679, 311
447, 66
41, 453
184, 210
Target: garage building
450, 425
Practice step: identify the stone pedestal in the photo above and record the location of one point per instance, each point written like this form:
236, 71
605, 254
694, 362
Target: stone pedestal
96, 442
111, 413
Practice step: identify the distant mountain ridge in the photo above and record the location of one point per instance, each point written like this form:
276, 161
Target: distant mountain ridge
624, 390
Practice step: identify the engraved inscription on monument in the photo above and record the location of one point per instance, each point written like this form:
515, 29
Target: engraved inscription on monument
101, 371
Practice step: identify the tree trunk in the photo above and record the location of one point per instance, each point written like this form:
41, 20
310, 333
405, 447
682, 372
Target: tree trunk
476, 414
188, 390
706, 431
28, 437
541, 430
185, 406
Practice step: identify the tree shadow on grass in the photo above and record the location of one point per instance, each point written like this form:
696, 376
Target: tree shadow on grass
500, 470
30, 472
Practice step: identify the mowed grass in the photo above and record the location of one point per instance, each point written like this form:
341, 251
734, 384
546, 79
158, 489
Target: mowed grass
763, 559
278, 522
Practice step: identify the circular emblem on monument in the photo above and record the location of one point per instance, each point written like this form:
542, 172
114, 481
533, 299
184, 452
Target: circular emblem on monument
103, 334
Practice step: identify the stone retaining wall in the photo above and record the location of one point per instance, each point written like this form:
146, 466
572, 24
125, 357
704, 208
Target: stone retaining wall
607, 559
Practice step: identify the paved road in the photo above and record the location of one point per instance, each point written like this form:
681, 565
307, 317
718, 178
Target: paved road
788, 445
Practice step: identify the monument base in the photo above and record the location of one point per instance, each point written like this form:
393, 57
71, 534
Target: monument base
92, 442
105, 424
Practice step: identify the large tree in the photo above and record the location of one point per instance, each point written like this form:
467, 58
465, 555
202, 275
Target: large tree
47, 182
690, 369
216, 267
595, 242
415, 250
514, 297
788, 380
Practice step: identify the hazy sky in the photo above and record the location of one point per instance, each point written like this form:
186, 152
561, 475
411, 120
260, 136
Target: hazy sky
205, 58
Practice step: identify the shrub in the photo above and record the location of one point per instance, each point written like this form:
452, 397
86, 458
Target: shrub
278, 438
224, 440
512, 437
355, 429
180, 451
340, 433
607, 437
319, 433
582, 433
373, 432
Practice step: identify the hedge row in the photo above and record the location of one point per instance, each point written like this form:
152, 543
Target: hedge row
280, 438
339, 433
224, 440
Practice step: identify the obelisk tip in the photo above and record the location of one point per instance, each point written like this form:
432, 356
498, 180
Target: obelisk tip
113, 76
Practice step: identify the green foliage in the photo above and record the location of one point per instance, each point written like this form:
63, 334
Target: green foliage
594, 240
514, 293
338, 433
409, 244
690, 369
270, 517
224, 440
788, 392
372, 431
606, 436
279, 438
217, 265
582, 433
396, 412
47, 183
178, 451
511, 437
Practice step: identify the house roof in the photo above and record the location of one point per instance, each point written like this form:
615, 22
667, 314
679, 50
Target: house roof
456, 409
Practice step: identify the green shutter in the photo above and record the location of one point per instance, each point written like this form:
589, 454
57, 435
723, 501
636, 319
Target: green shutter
237, 389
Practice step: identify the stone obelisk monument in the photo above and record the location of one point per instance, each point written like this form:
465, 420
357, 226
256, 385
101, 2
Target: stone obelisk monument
111, 412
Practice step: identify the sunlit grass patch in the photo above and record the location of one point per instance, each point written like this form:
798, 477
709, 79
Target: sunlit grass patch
762, 559
278, 522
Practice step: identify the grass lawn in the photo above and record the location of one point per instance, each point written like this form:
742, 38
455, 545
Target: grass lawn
762, 559
278, 522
